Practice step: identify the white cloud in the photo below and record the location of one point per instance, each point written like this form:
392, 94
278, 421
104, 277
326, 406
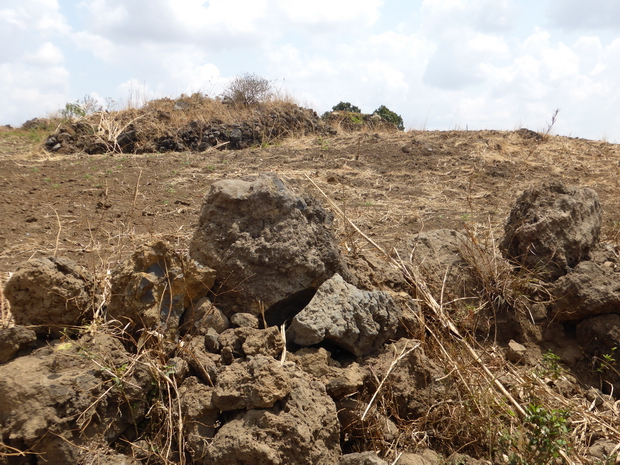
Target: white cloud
578, 14
489, 16
325, 12
215, 25
27, 91
46, 55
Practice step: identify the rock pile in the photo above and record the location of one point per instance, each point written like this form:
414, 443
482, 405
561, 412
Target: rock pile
165, 126
252, 348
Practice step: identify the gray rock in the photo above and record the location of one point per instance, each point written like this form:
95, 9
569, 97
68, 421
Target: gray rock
202, 316
362, 458
52, 292
14, 339
358, 321
58, 400
441, 256
599, 334
516, 352
266, 242
552, 228
589, 289
155, 286
302, 429
244, 320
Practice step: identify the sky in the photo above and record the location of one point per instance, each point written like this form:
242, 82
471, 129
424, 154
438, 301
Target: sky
440, 64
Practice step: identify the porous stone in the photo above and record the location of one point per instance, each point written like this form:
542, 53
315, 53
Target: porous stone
256, 383
267, 243
302, 429
200, 416
51, 292
552, 228
155, 286
362, 458
599, 335
589, 289
358, 321
14, 339
244, 320
55, 402
249, 341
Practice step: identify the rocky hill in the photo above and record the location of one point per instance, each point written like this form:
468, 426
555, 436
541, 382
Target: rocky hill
349, 295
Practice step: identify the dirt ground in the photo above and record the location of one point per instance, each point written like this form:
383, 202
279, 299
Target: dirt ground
95, 208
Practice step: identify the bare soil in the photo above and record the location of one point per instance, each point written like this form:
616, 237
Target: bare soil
96, 208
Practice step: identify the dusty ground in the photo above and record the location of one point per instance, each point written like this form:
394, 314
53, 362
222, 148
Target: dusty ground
94, 208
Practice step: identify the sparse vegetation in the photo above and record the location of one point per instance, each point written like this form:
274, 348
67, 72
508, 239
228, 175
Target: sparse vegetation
487, 407
386, 114
248, 89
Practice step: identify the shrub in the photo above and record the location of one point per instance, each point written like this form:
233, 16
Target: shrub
80, 108
248, 89
346, 106
387, 115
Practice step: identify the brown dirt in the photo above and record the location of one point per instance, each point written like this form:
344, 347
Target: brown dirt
96, 208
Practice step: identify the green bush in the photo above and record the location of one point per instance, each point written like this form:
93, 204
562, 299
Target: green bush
544, 434
387, 115
346, 106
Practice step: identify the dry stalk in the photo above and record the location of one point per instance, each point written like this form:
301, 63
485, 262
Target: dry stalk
403, 353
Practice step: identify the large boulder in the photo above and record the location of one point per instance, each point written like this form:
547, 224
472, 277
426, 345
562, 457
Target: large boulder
267, 243
302, 428
153, 288
358, 321
53, 292
552, 228
68, 395
589, 289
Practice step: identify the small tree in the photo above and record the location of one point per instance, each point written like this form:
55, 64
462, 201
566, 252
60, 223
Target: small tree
248, 89
346, 106
387, 115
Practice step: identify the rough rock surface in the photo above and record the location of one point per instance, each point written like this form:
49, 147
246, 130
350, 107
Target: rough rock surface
599, 334
200, 416
589, 289
155, 285
440, 255
426, 457
552, 228
358, 321
413, 386
50, 292
14, 339
203, 315
362, 458
60, 398
250, 341
266, 242
257, 383
339, 382
302, 429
